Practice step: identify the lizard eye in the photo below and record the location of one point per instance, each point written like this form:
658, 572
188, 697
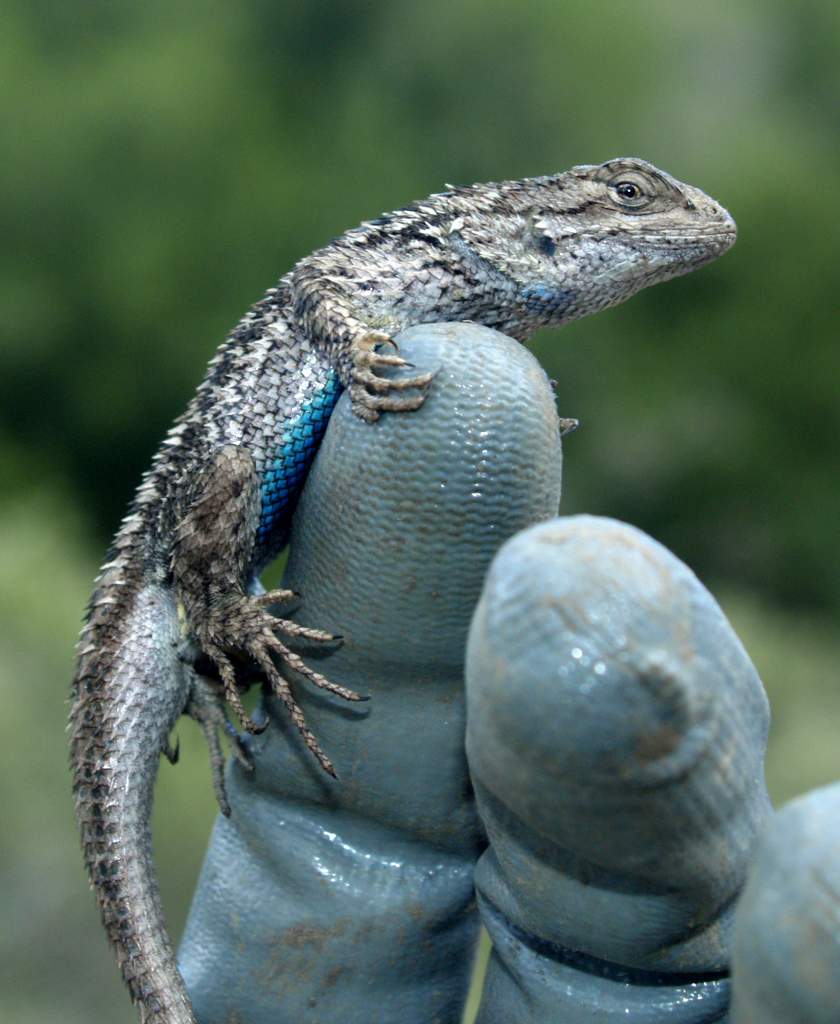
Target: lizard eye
631, 194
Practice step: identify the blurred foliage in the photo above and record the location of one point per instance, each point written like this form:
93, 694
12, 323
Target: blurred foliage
170, 161
165, 163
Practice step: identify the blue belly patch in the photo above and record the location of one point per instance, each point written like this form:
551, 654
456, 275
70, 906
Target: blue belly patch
284, 477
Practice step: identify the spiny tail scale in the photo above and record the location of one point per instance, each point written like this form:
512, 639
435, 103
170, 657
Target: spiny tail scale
129, 690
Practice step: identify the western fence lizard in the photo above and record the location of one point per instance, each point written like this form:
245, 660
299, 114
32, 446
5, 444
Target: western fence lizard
177, 599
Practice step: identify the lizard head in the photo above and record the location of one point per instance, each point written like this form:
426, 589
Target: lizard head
603, 232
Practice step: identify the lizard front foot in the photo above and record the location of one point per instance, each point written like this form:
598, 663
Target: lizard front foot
370, 392
243, 625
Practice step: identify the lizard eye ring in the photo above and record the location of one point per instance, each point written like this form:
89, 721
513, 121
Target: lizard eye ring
629, 193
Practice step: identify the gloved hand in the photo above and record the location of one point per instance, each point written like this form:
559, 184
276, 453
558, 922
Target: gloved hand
351, 901
786, 943
615, 736
616, 731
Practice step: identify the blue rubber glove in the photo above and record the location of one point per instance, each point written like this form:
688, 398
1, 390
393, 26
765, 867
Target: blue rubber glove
786, 949
352, 900
616, 734
616, 730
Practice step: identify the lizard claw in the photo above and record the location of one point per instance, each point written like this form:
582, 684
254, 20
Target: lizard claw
368, 358
370, 392
275, 597
249, 629
172, 754
206, 707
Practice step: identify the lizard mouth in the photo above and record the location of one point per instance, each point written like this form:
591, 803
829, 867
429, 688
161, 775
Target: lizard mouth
704, 245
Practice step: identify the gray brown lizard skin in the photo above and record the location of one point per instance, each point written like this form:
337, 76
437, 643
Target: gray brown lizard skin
179, 590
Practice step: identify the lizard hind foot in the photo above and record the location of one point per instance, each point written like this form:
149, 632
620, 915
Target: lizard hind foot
281, 689
251, 630
206, 706
371, 393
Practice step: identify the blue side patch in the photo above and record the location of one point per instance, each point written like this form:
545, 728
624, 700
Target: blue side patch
547, 299
283, 479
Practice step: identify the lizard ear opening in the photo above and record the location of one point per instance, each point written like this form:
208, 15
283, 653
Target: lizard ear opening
540, 236
546, 244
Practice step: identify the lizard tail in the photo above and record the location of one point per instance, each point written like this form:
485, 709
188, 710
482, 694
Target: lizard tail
128, 691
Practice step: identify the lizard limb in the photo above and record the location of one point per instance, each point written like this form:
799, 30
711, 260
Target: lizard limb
210, 560
370, 392
206, 707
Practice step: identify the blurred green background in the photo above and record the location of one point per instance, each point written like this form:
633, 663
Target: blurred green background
164, 163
